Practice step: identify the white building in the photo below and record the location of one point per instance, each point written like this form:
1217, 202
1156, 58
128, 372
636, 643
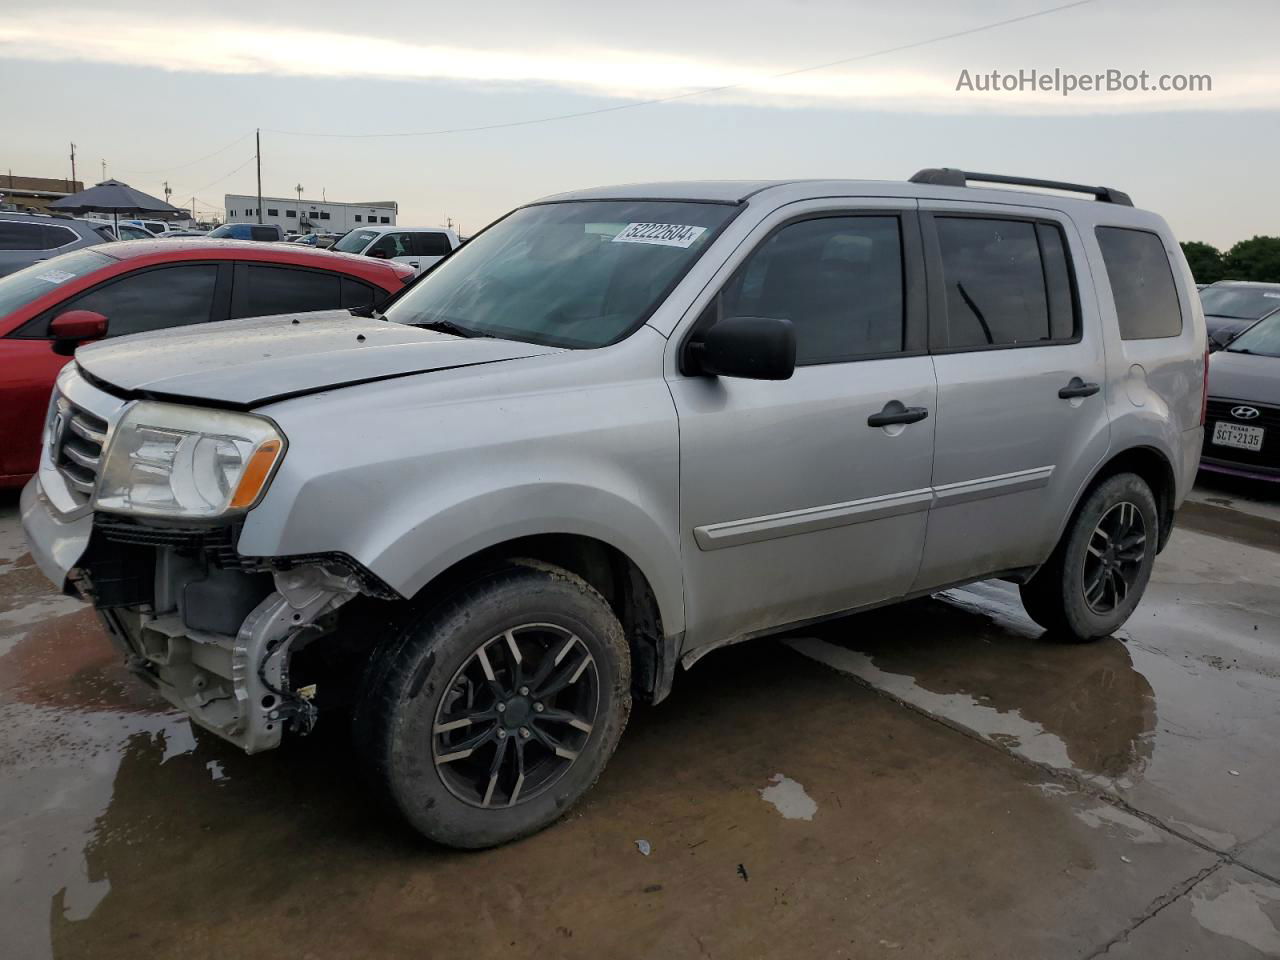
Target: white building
309, 216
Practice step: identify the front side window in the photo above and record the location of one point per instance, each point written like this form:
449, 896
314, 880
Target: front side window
839, 280
153, 299
262, 291
1007, 283
580, 274
1141, 283
391, 245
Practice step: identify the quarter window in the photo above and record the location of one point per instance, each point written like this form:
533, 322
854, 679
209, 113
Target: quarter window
1007, 283
1141, 283
153, 299
839, 280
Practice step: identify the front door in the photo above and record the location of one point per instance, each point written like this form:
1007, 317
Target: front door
1022, 419
793, 505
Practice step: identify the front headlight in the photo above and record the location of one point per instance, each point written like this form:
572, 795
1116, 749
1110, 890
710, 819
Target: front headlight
169, 460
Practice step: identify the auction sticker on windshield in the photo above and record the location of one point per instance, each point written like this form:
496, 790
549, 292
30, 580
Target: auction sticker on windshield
663, 234
55, 276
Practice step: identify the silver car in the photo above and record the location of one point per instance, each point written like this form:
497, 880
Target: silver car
27, 238
618, 429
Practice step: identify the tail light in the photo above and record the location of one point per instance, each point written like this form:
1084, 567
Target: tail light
1204, 392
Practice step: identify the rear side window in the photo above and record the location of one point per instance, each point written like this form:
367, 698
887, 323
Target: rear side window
264, 233
153, 299
430, 244
15, 235
1007, 283
261, 291
839, 280
1141, 283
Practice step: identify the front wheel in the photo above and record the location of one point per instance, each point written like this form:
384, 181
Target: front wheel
1101, 567
500, 709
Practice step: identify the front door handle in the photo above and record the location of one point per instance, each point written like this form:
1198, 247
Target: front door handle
1078, 388
895, 412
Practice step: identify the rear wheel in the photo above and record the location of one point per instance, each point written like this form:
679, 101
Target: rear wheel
1101, 567
498, 710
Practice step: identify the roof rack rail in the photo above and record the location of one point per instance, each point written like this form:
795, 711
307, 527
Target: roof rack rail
950, 177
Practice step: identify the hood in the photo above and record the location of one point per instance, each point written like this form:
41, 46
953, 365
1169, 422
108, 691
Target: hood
246, 363
1251, 378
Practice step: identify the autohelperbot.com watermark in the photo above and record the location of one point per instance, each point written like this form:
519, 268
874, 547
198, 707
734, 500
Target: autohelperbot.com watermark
1066, 83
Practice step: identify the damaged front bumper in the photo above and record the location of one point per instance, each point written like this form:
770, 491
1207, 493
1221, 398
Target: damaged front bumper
235, 685
211, 631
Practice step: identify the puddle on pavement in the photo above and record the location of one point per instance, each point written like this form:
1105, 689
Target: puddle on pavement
1178, 716
1239, 910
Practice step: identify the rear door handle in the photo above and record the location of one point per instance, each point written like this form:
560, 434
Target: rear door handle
1078, 388
895, 412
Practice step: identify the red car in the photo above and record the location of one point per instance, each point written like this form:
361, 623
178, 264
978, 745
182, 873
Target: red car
114, 289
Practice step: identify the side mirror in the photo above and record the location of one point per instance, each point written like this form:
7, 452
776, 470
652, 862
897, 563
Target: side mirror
73, 327
755, 348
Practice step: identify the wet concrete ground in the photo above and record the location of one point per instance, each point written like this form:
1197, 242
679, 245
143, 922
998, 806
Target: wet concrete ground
930, 780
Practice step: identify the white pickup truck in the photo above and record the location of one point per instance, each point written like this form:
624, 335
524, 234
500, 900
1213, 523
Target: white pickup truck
419, 247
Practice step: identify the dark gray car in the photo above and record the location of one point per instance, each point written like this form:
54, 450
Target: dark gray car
1242, 432
1233, 306
26, 238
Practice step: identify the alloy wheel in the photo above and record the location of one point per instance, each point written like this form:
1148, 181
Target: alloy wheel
1113, 557
516, 715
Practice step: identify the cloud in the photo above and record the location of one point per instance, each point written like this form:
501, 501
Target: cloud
232, 47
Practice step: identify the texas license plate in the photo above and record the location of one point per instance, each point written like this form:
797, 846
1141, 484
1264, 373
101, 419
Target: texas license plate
1238, 435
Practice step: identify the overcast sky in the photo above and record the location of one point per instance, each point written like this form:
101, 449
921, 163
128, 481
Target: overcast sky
174, 91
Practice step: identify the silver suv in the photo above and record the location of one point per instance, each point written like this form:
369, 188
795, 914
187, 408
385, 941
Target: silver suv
618, 429
27, 238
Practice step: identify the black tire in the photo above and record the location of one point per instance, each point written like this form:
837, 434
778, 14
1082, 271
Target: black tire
430, 668
1056, 596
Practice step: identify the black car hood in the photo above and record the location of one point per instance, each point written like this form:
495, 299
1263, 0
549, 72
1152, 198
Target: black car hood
1251, 378
246, 363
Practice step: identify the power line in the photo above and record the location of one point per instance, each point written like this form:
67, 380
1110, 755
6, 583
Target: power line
191, 163
695, 93
225, 176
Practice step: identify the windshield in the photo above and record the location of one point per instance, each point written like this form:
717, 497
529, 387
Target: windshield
580, 274
1263, 338
355, 241
1240, 303
21, 287
231, 230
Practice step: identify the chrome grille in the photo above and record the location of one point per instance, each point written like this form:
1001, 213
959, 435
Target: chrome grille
78, 443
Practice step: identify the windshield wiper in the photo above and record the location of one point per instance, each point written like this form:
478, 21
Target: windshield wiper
448, 326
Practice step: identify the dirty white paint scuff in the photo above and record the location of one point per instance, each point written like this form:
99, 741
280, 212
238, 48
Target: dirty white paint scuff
1237, 913
789, 798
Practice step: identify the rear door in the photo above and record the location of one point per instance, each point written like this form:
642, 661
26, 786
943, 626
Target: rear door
793, 505
263, 290
428, 246
1021, 421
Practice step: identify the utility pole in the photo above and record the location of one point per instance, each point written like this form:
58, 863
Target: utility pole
298, 188
73, 166
104, 168
167, 192
257, 140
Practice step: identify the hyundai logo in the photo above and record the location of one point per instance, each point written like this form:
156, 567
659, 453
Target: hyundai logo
1245, 413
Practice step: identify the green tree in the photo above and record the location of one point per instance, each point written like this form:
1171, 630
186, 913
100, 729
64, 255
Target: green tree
1205, 261
1255, 259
